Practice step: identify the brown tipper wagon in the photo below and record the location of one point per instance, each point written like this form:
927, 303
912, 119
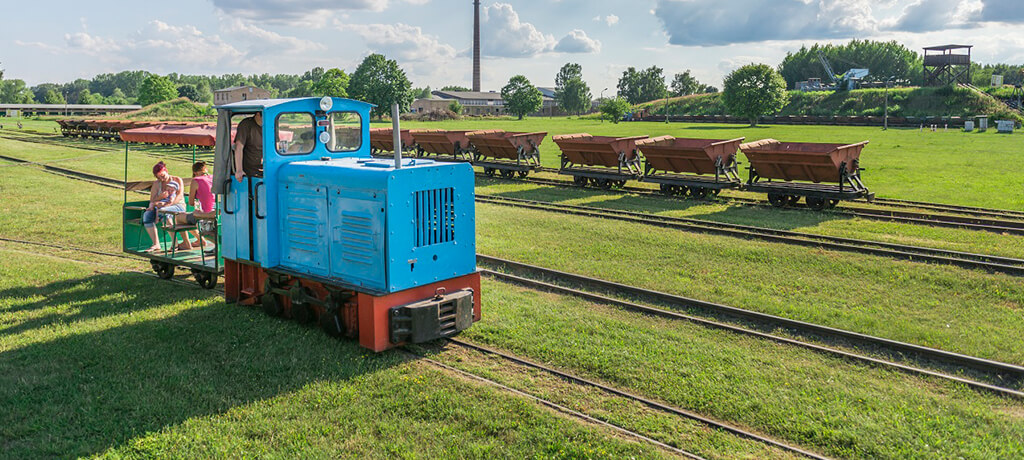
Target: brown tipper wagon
601, 161
823, 174
443, 144
684, 166
509, 153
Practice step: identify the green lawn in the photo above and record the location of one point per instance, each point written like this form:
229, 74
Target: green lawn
118, 364
966, 311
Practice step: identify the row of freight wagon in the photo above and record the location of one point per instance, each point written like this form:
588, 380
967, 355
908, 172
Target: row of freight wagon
821, 174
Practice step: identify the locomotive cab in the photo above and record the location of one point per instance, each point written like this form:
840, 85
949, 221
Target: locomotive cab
376, 250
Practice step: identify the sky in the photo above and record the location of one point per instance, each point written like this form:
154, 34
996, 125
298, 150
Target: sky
62, 40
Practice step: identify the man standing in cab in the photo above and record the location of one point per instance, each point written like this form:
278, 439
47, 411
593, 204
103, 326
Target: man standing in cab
249, 147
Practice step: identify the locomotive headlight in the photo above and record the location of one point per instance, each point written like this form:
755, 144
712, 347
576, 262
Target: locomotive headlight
325, 137
326, 103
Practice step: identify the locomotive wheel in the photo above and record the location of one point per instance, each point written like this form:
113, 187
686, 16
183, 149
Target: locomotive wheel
271, 306
522, 174
507, 173
331, 324
778, 200
302, 313
580, 180
206, 280
164, 270
816, 204
489, 172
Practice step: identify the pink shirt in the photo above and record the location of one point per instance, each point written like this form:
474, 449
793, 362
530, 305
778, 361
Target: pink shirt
203, 193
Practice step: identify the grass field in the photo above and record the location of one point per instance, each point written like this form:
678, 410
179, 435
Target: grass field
101, 362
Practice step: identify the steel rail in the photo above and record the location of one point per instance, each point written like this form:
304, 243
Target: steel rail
942, 356
933, 220
647, 402
647, 309
992, 263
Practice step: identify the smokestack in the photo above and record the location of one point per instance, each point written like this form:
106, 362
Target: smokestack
476, 45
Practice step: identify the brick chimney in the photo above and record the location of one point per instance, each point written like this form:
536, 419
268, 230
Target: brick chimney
476, 45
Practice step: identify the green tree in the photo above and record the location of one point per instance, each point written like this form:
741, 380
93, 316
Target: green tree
642, 86
684, 84
455, 107
454, 88
521, 97
205, 93
156, 89
54, 97
883, 59
614, 108
571, 93
15, 92
333, 83
421, 93
189, 91
754, 90
382, 82
117, 97
87, 97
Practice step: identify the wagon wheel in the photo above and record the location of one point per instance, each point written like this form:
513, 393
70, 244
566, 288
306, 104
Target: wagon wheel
164, 270
206, 280
832, 203
604, 184
522, 174
793, 200
715, 191
270, 305
667, 189
580, 180
489, 172
778, 200
816, 203
331, 323
699, 192
508, 173
621, 183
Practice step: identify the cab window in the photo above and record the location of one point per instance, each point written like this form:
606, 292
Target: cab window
346, 132
294, 133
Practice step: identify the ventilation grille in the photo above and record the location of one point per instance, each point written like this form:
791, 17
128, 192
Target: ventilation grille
435, 216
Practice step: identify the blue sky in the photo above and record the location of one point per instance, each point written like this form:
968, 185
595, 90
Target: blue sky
63, 40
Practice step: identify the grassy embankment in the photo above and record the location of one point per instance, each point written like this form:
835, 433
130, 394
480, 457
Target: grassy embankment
915, 102
147, 357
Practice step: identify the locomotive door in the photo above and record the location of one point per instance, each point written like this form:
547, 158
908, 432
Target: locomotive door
357, 247
304, 239
238, 213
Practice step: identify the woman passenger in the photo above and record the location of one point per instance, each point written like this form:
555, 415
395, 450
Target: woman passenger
200, 197
165, 195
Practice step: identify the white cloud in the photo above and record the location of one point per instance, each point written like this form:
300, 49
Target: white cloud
577, 42
504, 35
313, 13
406, 42
611, 20
263, 41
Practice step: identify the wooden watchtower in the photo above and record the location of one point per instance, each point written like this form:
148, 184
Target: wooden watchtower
947, 65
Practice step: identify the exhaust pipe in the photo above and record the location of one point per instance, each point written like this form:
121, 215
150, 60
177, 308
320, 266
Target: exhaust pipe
397, 134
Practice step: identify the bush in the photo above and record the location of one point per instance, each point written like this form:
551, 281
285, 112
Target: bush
455, 107
614, 108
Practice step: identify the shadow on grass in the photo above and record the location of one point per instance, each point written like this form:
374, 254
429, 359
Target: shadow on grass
82, 394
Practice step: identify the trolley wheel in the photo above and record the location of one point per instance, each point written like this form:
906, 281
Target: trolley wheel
508, 173
270, 305
331, 323
778, 200
580, 180
163, 269
523, 174
699, 192
206, 280
816, 203
489, 172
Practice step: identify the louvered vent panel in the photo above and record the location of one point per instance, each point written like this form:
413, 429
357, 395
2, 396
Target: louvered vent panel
435, 216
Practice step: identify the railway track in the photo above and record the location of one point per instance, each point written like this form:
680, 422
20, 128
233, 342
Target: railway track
998, 370
1001, 226
990, 263
556, 406
665, 408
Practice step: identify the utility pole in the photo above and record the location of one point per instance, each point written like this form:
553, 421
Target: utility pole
602, 101
885, 119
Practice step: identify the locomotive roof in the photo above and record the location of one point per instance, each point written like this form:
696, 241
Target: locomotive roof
265, 103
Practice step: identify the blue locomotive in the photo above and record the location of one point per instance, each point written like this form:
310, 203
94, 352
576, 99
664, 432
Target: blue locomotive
376, 250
